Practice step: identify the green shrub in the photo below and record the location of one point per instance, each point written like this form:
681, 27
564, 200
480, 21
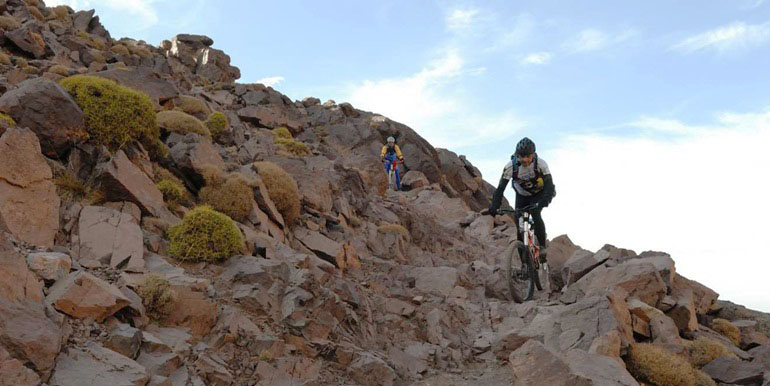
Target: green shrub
231, 195
60, 70
172, 191
192, 105
182, 123
5, 118
704, 350
282, 189
31, 70
119, 49
293, 147
217, 123
726, 328
205, 235
157, 296
282, 132
656, 365
115, 115
9, 22
392, 228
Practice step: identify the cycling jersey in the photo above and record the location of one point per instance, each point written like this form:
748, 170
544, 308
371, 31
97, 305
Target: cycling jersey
527, 180
391, 150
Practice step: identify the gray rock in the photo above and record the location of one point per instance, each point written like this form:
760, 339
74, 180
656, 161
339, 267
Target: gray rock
97, 366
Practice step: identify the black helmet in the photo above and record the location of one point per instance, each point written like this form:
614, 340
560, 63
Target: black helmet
525, 147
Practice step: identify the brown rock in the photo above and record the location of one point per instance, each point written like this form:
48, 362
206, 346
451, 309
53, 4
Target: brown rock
13, 372
213, 369
124, 181
112, 236
124, 340
17, 282
49, 111
192, 309
534, 364
683, 312
82, 295
272, 116
601, 370
192, 154
145, 80
370, 370
703, 297
435, 280
580, 263
49, 265
321, 245
734, 371
665, 331
414, 179
28, 38
265, 203
28, 334
160, 363
95, 365
29, 206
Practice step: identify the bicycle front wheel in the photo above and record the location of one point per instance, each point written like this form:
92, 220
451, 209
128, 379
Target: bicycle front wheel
392, 181
520, 273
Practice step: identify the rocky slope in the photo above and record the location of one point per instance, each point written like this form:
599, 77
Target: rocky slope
338, 281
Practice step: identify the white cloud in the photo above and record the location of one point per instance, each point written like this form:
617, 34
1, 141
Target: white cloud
737, 35
142, 12
592, 39
701, 196
460, 19
431, 102
271, 81
537, 58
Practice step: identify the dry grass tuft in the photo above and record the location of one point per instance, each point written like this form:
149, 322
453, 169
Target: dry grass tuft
157, 296
71, 188
9, 23
703, 379
657, 365
35, 11
282, 189
392, 228
230, 195
726, 328
193, 106
181, 122
119, 49
59, 70
205, 235
704, 350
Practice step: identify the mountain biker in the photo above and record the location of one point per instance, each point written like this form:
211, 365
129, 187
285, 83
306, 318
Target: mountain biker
389, 152
532, 182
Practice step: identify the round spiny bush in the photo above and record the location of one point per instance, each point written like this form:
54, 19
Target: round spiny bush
293, 147
703, 379
62, 11
31, 70
282, 132
5, 59
217, 123
726, 328
34, 11
119, 49
139, 50
234, 197
9, 22
657, 365
115, 115
704, 350
205, 235
20, 62
157, 296
281, 188
182, 123
192, 105
172, 190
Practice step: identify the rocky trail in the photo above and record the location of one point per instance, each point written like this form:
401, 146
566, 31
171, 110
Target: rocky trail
162, 224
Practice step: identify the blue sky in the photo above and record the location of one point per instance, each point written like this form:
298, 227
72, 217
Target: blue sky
654, 116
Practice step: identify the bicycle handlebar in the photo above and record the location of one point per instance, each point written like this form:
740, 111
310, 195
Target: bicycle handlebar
520, 210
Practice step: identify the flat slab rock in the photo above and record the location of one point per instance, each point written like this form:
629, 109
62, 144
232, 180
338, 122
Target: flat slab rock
734, 371
95, 365
83, 295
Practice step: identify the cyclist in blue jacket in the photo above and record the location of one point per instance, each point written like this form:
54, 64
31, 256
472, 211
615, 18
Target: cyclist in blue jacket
532, 182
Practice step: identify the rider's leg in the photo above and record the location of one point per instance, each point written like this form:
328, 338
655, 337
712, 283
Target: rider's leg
398, 179
521, 202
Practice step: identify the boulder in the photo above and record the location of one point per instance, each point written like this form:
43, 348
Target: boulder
122, 180
414, 179
481, 227
213, 369
683, 312
322, 246
95, 365
642, 278
734, 371
191, 154
83, 295
601, 370
145, 80
14, 373
192, 309
42, 106
369, 370
534, 364
17, 282
111, 236
50, 266
160, 363
580, 263
29, 206
28, 38
124, 339
703, 297
272, 116
29, 335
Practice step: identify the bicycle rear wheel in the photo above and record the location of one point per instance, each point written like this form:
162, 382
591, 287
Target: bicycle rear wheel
520, 273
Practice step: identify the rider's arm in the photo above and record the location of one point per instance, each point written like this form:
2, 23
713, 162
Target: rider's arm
384, 150
548, 188
498, 196
398, 153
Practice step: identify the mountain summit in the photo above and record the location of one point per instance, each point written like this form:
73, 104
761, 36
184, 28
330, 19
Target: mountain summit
162, 224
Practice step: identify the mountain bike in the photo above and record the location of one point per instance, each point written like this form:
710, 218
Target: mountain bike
393, 175
525, 269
